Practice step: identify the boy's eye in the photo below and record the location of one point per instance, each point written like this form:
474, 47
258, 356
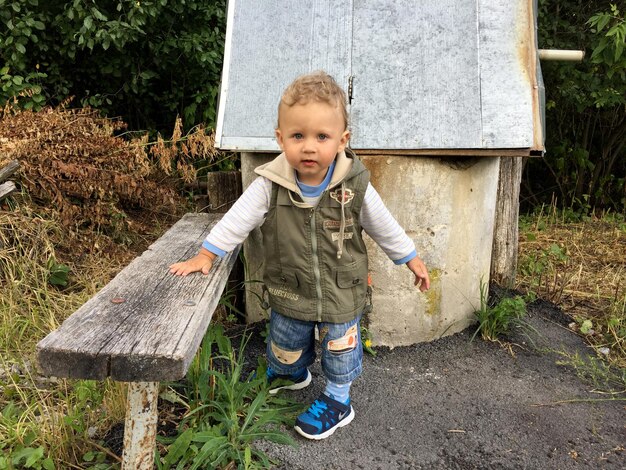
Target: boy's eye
322, 137
297, 135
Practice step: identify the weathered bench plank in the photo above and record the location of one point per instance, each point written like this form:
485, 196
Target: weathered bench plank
146, 324
8, 169
6, 189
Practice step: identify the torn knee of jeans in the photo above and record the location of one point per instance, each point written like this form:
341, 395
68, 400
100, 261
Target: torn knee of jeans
344, 344
284, 356
323, 333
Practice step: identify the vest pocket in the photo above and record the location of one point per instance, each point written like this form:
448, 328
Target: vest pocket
283, 285
351, 286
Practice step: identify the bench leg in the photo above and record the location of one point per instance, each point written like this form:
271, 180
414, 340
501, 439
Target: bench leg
140, 426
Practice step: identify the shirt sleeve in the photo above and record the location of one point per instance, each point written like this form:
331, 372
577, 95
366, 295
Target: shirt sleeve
246, 214
379, 224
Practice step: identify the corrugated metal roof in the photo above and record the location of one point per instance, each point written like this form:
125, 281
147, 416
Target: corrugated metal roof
430, 75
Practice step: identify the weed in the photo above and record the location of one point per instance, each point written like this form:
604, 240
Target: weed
604, 378
59, 273
27, 457
227, 412
586, 279
542, 268
366, 339
497, 320
41, 418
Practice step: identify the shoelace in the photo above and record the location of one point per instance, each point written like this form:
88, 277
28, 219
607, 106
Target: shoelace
317, 408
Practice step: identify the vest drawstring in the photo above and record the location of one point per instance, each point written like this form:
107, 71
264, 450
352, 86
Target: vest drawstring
342, 227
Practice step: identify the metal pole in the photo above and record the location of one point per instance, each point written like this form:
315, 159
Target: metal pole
140, 426
561, 54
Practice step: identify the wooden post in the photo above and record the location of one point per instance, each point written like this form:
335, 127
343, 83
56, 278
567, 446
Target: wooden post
223, 188
506, 228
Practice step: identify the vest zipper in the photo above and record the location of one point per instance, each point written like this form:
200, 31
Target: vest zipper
316, 266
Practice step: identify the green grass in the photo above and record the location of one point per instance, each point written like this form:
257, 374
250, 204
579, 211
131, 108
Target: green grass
497, 319
576, 260
227, 412
45, 423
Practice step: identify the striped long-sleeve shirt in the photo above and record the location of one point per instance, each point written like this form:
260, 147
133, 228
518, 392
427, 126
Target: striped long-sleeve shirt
250, 209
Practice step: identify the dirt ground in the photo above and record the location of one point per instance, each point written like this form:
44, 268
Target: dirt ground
461, 404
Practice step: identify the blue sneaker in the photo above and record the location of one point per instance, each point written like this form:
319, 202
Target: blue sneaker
323, 417
297, 382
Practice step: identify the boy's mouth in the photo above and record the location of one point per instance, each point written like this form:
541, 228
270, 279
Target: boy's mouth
308, 162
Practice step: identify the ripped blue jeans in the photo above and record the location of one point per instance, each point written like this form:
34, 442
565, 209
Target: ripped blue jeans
291, 347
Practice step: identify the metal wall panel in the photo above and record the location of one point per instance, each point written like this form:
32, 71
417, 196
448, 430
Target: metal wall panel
507, 75
416, 75
269, 43
428, 74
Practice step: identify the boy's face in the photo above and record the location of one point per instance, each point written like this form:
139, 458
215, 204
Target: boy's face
311, 135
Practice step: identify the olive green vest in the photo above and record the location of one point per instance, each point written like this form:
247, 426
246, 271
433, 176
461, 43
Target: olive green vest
303, 276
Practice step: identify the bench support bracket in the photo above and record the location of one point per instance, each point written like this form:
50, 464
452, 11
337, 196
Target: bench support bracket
140, 427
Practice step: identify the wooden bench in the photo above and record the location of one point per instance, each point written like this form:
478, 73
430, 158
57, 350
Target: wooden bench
8, 187
143, 327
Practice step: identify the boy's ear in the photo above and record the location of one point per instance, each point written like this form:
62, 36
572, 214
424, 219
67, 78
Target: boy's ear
279, 138
343, 142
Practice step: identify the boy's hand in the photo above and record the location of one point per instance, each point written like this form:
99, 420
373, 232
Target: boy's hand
417, 266
202, 262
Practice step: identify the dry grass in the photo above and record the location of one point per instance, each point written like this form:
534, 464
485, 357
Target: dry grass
38, 412
581, 266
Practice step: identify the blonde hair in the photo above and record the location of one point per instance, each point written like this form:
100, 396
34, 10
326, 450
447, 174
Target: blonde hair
315, 86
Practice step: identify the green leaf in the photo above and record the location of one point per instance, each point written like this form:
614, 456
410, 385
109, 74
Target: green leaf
34, 457
58, 273
613, 31
20, 47
179, 447
88, 22
603, 20
98, 14
619, 48
586, 327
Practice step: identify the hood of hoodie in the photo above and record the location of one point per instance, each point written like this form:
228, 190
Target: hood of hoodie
280, 172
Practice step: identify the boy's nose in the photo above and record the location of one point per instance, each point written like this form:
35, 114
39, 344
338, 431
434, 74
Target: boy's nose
309, 146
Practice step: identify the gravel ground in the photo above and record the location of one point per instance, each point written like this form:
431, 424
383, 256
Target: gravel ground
456, 404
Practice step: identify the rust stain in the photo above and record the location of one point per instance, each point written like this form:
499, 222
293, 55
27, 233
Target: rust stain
376, 165
527, 57
140, 427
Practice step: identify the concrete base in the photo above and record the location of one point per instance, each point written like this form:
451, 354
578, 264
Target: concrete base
447, 206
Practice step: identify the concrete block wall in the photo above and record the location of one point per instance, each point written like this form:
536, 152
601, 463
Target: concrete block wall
447, 206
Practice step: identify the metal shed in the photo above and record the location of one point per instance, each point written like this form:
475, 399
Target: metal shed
436, 75
427, 81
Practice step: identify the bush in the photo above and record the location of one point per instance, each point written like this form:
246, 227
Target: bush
148, 61
585, 108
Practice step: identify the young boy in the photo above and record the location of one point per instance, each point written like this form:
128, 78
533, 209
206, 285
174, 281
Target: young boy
312, 203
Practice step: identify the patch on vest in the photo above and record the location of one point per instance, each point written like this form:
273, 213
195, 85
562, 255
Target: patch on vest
348, 195
329, 223
283, 293
346, 236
